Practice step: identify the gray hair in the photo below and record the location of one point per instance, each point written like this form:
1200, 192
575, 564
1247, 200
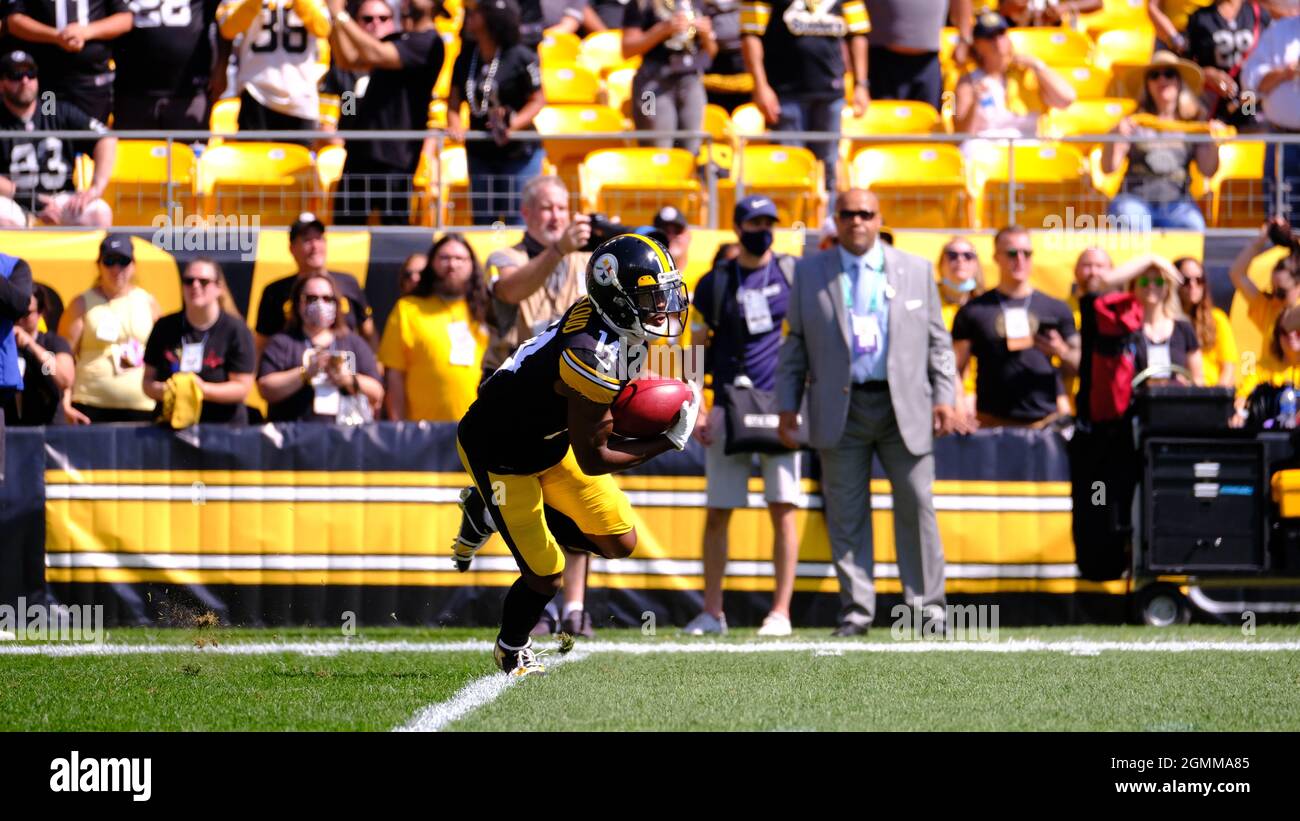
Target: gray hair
533, 189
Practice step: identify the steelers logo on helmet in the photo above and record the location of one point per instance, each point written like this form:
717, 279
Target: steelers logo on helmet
635, 285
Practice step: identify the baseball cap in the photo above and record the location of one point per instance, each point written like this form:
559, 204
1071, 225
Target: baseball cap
15, 60
669, 215
116, 245
989, 24
305, 220
755, 205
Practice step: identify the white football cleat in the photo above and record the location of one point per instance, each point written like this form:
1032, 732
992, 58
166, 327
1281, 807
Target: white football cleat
706, 625
775, 625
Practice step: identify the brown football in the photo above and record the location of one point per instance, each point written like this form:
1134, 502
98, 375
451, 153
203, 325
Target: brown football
646, 407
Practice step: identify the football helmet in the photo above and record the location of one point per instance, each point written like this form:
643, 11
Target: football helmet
635, 285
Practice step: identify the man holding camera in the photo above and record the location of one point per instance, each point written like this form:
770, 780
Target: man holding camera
533, 283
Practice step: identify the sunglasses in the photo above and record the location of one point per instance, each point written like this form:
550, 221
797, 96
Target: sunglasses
21, 74
116, 261
312, 299
865, 216
1192, 281
1163, 74
1019, 252
953, 256
376, 18
202, 281
1151, 282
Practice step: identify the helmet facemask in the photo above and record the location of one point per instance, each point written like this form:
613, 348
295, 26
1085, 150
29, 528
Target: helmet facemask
661, 308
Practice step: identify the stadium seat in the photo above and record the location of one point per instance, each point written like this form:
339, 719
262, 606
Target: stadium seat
1237, 187
224, 118
748, 122
791, 175
602, 52
1125, 47
718, 123
558, 48
566, 154
570, 84
453, 187
1116, 15
1088, 82
1049, 178
273, 181
948, 40
918, 185
137, 191
1056, 46
451, 50
632, 184
1086, 117
891, 117
1107, 184
329, 168
618, 91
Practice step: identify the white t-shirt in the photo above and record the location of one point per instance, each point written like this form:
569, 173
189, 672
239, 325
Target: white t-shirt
279, 62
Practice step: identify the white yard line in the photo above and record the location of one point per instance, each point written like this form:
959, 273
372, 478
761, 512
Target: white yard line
478, 693
334, 647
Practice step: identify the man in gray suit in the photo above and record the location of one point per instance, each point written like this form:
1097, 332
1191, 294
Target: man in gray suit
868, 342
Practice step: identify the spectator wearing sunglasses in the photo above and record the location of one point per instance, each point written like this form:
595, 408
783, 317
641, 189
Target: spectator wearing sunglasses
402, 67
961, 279
1013, 332
1167, 340
46, 365
1264, 307
107, 328
207, 338
36, 185
308, 368
1155, 191
1213, 330
341, 89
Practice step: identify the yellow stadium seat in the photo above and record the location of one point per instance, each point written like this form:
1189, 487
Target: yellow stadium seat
791, 175
137, 191
1049, 178
1107, 184
559, 48
453, 186
718, 123
1116, 15
1125, 47
618, 91
437, 114
273, 181
1237, 187
329, 110
748, 122
1088, 82
1056, 46
632, 184
570, 84
891, 117
948, 40
224, 118
918, 185
566, 154
602, 52
1086, 117
329, 168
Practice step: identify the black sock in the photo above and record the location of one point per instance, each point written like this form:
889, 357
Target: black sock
522, 608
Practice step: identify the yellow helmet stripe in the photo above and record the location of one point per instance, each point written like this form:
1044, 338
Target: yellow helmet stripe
664, 262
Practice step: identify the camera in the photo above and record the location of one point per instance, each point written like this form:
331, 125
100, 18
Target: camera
602, 228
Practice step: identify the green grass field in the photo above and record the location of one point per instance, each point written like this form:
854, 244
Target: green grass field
381, 679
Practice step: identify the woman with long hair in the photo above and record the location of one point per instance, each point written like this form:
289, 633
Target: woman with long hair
1213, 330
107, 328
961, 279
501, 81
433, 342
309, 367
207, 338
1156, 190
1167, 338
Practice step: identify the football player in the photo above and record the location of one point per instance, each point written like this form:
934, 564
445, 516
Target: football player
539, 444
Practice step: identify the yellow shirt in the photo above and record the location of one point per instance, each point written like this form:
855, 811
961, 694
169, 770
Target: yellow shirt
1179, 10
1224, 350
112, 331
1263, 312
439, 347
1277, 375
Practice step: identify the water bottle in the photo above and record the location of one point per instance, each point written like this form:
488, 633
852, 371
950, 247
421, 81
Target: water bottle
1288, 407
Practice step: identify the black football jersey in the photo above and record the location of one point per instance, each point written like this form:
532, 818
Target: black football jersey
519, 423
45, 165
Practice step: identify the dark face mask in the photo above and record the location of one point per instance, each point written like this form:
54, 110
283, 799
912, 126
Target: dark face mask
756, 242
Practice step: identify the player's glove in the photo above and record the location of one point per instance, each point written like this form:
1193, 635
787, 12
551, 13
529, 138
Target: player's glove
679, 433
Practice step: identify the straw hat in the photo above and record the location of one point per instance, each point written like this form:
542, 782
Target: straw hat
1131, 80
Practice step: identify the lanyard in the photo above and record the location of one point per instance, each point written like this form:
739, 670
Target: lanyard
873, 304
